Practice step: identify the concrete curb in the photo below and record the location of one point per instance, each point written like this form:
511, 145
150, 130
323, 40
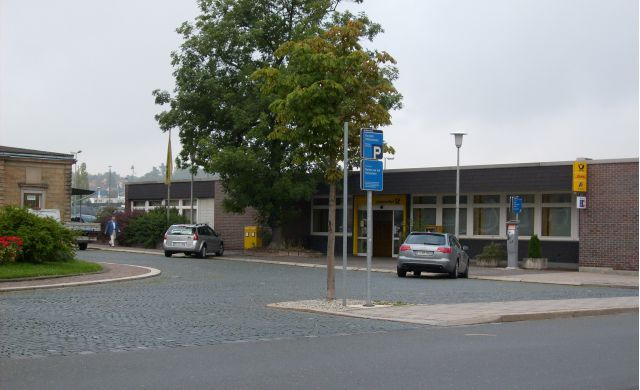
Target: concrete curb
151, 273
422, 316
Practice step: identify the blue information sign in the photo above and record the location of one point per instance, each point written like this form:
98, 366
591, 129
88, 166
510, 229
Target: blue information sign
371, 175
371, 142
516, 204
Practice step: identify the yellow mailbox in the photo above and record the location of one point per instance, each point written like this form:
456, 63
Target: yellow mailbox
252, 237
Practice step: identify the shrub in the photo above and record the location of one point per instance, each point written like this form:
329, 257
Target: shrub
123, 219
535, 251
43, 239
10, 248
148, 229
493, 251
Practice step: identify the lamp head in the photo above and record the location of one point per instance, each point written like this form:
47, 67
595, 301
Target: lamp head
458, 138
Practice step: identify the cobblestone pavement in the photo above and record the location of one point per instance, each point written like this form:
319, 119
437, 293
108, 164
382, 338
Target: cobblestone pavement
211, 301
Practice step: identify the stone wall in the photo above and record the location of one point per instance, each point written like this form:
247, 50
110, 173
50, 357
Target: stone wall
53, 178
609, 224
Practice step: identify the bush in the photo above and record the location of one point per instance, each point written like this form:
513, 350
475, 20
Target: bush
148, 229
43, 239
123, 219
535, 251
493, 251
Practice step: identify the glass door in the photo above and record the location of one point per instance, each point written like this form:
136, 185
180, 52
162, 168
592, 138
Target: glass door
398, 218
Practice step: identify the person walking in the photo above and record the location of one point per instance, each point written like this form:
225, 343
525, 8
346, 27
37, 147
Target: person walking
111, 230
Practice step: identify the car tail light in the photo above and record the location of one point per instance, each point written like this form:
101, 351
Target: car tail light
165, 236
444, 249
404, 247
195, 236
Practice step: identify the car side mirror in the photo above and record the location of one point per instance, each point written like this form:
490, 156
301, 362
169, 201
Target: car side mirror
465, 248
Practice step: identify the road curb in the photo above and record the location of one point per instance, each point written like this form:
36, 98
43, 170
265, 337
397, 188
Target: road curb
151, 273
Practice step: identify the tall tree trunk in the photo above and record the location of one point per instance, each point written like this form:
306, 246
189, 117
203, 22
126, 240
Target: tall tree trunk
276, 237
331, 243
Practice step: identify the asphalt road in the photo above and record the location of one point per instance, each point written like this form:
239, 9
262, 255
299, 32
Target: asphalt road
204, 324
582, 353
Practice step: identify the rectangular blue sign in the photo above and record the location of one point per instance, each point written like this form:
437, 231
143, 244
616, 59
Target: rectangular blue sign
371, 143
371, 175
516, 204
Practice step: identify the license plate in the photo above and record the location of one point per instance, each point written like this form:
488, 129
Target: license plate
423, 253
179, 244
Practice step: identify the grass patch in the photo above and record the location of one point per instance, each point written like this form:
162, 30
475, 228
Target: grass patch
63, 268
391, 303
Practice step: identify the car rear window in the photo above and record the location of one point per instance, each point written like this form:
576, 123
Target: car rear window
426, 239
181, 231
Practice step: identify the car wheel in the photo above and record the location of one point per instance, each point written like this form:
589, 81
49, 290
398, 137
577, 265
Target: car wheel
465, 274
456, 270
402, 273
187, 254
416, 273
220, 251
167, 254
203, 252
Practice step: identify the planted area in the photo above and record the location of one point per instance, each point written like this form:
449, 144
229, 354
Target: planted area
59, 268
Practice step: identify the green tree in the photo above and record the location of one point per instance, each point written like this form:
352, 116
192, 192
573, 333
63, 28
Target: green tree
224, 122
324, 81
82, 177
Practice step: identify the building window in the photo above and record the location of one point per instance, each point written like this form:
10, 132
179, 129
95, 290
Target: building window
556, 221
320, 216
155, 203
32, 200
556, 215
486, 221
486, 217
424, 199
451, 199
423, 217
449, 218
139, 204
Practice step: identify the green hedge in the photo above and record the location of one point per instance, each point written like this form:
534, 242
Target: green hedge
535, 250
148, 229
44, 239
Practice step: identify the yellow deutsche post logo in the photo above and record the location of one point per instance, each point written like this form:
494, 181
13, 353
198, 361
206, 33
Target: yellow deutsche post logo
580, 176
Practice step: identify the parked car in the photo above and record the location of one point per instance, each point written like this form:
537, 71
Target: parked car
197, 239
433, 252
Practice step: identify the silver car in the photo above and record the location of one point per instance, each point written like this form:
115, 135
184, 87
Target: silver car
433, 252
198, 239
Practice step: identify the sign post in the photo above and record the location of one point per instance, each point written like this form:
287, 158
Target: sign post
371, 171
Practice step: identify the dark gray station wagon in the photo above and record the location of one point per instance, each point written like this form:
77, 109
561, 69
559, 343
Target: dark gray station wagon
198, 239
433, 252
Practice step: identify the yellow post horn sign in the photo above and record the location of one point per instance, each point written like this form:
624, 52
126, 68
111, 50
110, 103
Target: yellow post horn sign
580, 176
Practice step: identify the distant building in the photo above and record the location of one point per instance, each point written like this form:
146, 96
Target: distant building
604, 235
36, 179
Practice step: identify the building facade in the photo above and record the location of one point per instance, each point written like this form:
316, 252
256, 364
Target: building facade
36, 179
604, 235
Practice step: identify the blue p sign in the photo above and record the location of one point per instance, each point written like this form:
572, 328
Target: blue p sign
377, 152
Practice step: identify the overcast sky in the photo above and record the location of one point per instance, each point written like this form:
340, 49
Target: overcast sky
528, 80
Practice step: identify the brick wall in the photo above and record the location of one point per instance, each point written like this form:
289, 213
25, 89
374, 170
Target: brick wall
609, 225
231, 225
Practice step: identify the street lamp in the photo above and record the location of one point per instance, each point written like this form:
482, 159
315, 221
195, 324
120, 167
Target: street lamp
385, 161
74, 179
458, 138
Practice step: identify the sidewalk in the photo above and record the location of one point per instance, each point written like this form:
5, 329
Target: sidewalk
359, 263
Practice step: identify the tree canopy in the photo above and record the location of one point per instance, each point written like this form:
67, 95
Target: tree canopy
224, 121
324, 81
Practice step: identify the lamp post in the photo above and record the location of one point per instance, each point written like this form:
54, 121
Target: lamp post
458, 138
109, 193
385, 162
74, 179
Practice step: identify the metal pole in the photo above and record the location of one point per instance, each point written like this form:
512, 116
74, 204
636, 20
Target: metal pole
109, 194
369, 244
345, 210
191, 199
457, 229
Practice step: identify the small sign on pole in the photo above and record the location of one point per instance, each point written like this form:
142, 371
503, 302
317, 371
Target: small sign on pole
581, 202
579, 176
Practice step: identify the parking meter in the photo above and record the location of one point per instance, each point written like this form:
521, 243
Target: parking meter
512, 244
